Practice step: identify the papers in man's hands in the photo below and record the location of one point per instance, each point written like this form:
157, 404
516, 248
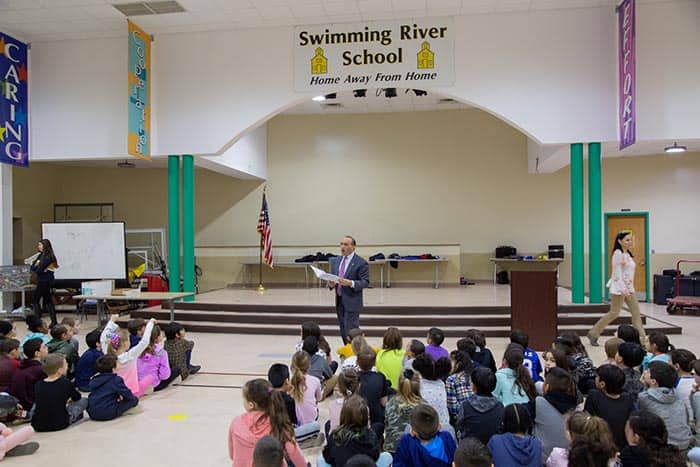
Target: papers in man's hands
323, 275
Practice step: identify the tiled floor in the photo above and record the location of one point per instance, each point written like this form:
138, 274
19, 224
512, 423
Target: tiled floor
209, 401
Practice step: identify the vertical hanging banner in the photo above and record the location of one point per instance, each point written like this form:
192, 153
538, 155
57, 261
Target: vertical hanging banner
627, 73
14, 102
139, 93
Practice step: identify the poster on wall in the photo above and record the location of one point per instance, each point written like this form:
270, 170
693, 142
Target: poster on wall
139, 93
626, 34
14, 102
415, 53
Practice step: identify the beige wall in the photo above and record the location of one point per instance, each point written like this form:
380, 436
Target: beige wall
402, 178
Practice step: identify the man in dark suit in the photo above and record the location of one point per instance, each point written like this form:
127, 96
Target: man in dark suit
354, 276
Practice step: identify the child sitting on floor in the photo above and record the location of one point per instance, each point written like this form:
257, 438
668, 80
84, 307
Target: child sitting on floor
425, 445
647, 443
29, 372
37, 328
399, 408
611, 346
306, 389
73, 326
435, 338
117, 343
278, 376
152, 366
531, 360
9, 353
629, 356
458, 385
515, 446
609, 402
413, 349
590, 443
353, 437
51, 395
85, 367
348, 384
61, 344
265, 414
109, 397
390, 357
179, 350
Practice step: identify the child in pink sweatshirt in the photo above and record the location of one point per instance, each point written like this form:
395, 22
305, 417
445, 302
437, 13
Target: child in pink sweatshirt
152, 365
265, 414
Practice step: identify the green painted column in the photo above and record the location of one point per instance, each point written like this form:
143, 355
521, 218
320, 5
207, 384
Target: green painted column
188, 274
174, 223
577, 260
595, 225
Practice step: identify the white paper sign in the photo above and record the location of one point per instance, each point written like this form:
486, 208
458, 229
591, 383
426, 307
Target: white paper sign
383, 54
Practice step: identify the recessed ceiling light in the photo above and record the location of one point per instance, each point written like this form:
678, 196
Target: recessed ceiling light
675, 148
318, 98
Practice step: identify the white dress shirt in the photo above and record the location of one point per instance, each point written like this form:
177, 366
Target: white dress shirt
622, 280
348, 258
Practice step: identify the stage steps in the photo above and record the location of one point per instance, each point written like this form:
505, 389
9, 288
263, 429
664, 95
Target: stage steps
413, 321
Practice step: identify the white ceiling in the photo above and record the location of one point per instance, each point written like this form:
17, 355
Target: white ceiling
49, 20
405, 101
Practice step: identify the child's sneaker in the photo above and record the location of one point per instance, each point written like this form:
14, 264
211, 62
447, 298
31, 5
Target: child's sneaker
23, 449
194, 369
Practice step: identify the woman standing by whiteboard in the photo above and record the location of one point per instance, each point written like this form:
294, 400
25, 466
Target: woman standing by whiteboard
44, 266
621, 286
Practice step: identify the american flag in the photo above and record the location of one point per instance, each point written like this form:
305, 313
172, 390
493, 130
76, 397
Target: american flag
265, 232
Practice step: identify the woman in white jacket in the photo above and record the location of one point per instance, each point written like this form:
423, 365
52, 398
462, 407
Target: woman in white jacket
621, 286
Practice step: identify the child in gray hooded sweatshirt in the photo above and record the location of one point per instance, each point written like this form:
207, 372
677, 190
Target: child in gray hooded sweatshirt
660, 398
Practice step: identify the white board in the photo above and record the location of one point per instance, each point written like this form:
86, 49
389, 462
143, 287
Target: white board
88, 250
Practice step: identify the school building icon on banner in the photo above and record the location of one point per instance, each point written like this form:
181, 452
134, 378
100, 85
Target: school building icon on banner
426, 57
319, 64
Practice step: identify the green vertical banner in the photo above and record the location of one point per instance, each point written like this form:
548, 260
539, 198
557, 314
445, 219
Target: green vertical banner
174, 223
577, 228
188, 272
595, 225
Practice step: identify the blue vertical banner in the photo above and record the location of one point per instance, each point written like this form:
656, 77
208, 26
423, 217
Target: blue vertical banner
14, 102
139, 136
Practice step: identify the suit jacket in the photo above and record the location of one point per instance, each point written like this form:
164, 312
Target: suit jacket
358, 271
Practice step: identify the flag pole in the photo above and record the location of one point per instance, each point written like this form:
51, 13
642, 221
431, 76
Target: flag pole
261, 287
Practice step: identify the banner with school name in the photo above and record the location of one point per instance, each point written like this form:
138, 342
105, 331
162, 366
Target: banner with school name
379, 54
14, 102
139, 129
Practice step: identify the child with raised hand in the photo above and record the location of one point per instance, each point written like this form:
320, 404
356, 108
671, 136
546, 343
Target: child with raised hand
306, 389
435, 338
590, 443
413, 349
609, 402
353, 436
116, 342
109, 397
29, 372
515, 446
531, 360
661, 399
390, 357
550, 409
152, 365
458, 385
179, 350
9, 362
348, 384
51, 395
647, 443
37, 329
514, 384
61, 343
265, 415
399, 408
629, 356
85, 367
426, 445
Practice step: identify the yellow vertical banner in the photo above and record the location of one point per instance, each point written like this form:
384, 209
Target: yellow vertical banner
139, 128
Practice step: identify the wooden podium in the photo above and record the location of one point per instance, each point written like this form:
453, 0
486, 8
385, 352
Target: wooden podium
533, 298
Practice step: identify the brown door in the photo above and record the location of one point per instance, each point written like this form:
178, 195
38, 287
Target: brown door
635, 224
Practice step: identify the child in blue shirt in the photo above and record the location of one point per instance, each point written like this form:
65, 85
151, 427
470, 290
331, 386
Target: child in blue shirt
425, 445
85, 368
531, 359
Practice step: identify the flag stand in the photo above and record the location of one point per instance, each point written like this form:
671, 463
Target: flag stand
261, 287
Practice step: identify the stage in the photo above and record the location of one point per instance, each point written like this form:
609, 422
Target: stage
484, 306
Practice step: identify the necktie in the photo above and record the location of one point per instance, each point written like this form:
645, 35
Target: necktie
341, 273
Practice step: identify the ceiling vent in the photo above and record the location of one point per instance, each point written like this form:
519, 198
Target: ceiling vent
148, 8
